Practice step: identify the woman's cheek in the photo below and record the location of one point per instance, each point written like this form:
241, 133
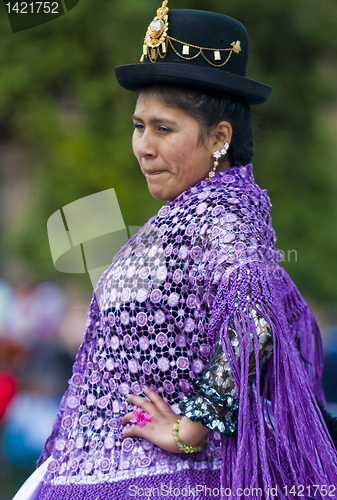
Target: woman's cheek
134, 147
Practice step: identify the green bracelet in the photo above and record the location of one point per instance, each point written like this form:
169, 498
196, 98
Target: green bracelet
182, 446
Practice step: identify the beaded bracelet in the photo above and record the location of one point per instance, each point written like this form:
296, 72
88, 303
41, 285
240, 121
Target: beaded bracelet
182, 446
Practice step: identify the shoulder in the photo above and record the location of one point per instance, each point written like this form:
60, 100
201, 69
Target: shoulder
227, 217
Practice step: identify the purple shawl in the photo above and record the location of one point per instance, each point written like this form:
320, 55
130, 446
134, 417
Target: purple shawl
207, 257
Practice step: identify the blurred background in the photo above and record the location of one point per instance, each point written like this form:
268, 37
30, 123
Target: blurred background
65, 133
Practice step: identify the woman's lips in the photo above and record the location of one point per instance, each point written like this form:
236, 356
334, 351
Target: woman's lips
156, 172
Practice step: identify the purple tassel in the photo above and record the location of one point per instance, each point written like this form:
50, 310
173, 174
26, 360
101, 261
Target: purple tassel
289, 428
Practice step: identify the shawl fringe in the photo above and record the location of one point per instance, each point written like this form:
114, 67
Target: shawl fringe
279, 416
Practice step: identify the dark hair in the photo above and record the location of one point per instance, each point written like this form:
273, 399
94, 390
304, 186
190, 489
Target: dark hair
209, 108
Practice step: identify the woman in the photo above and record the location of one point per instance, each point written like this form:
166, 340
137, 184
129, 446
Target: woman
199, 374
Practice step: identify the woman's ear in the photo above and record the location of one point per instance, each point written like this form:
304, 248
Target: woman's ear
222, 134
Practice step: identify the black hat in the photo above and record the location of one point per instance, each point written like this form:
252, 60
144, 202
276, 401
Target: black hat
194, 47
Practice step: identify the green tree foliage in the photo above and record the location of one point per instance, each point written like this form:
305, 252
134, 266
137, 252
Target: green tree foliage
60, 103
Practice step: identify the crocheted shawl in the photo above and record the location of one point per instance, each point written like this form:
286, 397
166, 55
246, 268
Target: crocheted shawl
206, 258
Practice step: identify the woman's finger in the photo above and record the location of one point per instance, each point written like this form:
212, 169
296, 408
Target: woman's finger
127, 417
134, 431
135, 400
157, 400
143, 403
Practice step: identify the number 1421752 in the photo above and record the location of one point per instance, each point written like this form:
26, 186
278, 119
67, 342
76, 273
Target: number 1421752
33, 8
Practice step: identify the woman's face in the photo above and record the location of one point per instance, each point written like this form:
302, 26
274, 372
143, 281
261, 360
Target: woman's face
167, 147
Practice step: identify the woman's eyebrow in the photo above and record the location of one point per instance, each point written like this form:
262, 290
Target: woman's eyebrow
163, 120
134, 117
156, 120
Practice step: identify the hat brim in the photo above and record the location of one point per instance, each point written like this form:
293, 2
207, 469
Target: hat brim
134, 76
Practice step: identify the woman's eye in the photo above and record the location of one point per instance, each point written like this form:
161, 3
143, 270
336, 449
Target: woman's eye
164, 129
138, 126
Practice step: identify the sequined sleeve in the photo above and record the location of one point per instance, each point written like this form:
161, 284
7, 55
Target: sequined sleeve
216, 404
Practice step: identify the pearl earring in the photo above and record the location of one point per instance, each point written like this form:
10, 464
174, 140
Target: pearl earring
217, 155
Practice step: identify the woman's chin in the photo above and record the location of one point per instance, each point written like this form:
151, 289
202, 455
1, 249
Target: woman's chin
164, 188
159, 192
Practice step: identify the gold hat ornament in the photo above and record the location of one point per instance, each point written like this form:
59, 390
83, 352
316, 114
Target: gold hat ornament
156, 35
156, 38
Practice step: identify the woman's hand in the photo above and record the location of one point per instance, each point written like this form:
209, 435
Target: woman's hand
159, 430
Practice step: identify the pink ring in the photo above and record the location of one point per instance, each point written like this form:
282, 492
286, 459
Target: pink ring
140, 418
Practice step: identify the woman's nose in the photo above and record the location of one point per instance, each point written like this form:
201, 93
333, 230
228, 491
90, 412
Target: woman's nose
145, 145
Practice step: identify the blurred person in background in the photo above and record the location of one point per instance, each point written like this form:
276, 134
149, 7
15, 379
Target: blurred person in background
34, 369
